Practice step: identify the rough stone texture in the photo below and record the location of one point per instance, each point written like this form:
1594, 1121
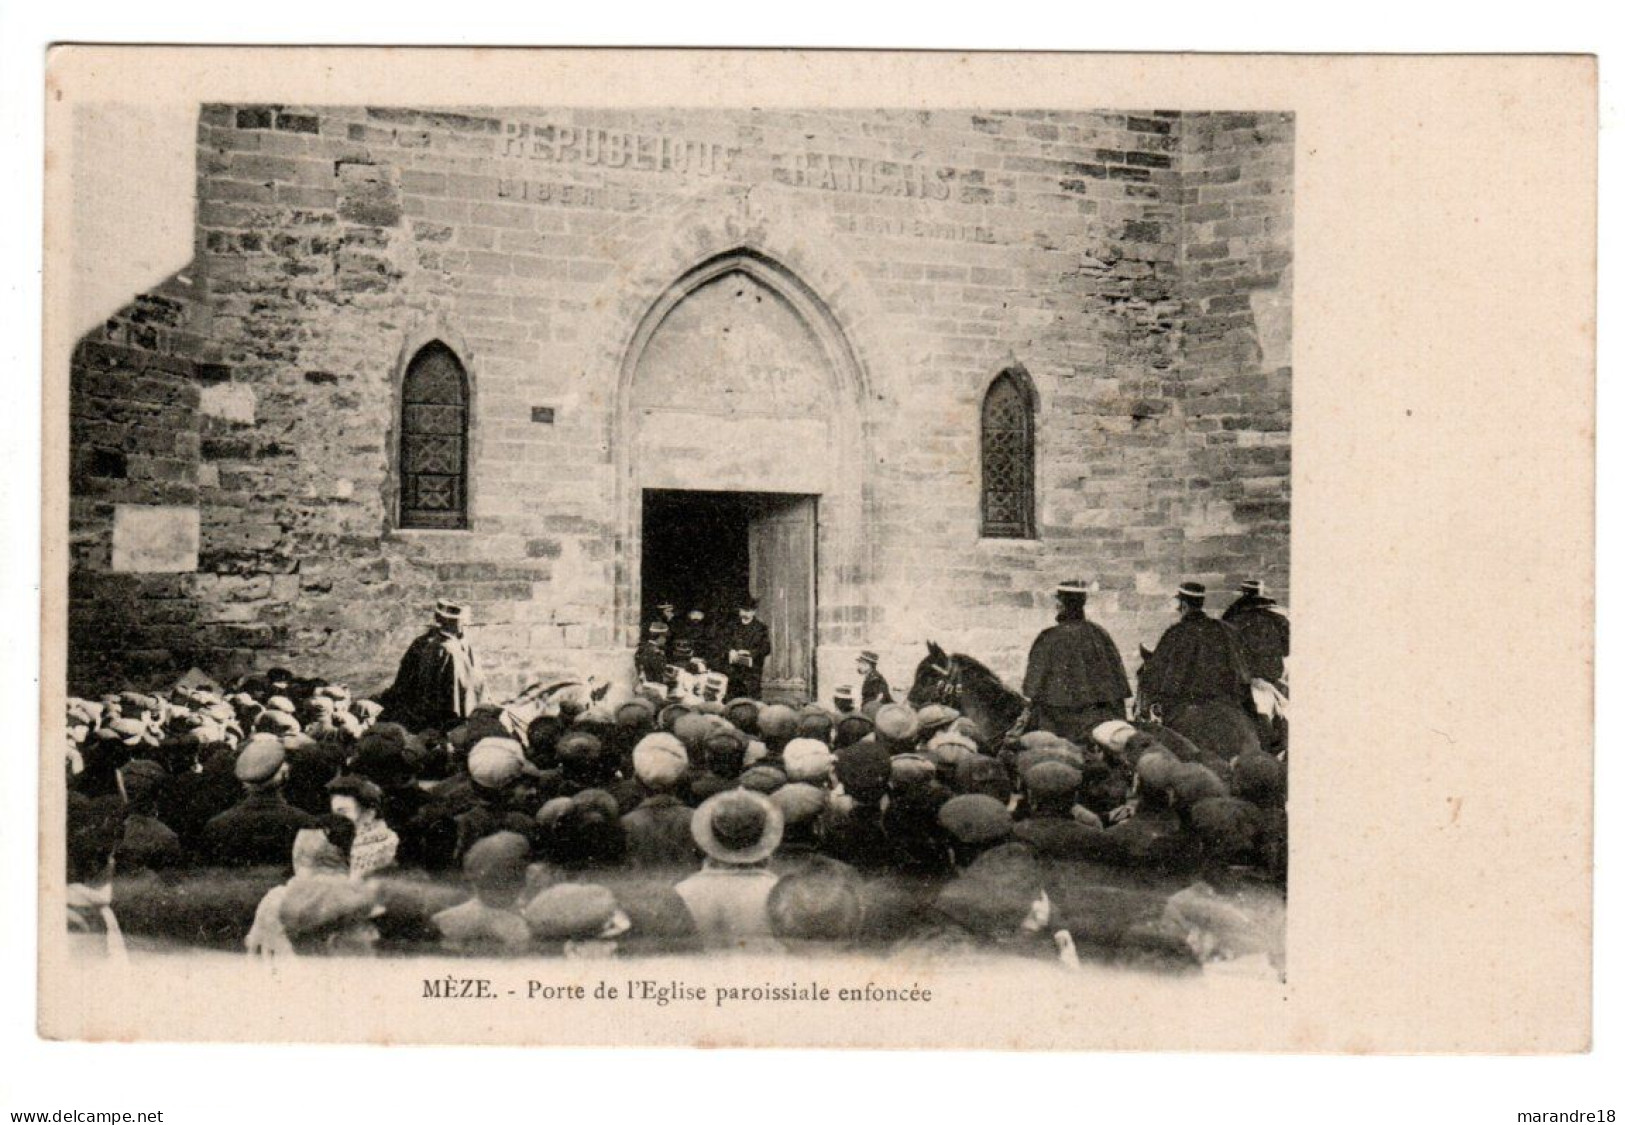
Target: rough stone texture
1136, 265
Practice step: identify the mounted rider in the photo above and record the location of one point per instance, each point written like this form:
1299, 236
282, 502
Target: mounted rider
1265, 632
1075, 678
439, 682
1200, 659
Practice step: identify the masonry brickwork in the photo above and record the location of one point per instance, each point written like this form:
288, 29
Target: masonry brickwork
875, 271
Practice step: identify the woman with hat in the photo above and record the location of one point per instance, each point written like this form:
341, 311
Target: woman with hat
738, 831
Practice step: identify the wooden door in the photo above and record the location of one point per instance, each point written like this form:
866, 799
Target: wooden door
783, 570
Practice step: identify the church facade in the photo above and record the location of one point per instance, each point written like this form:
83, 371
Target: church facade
894, 374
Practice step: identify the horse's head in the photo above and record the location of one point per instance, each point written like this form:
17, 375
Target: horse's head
931, 677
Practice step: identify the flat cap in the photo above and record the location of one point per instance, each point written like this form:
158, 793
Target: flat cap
659, 760
897, 722
1113, 734
497, 762
319, 904
863, 765
777, 720
498, 858
975, 818
910, 770
762, 779
807, 759
259, 759
1048, 780
800, 802
1156, 769
570, 911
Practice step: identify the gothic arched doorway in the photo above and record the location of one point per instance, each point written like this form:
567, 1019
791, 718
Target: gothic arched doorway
741, 465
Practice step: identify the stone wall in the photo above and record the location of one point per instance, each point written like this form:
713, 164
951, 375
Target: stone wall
1135, 265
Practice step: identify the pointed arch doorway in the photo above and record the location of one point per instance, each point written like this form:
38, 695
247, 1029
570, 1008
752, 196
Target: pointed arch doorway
741, 465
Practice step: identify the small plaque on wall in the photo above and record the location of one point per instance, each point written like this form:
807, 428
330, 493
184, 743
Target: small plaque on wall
542, 414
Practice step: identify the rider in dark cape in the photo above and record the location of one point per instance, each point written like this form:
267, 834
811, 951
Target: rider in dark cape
1199, 660
1265, 632
1075, 678
438, 684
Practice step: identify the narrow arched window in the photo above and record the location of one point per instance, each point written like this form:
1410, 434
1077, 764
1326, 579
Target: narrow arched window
1007, 459
434, 440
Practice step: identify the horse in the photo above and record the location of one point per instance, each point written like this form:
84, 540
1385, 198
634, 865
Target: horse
1223, 728
548, 699
969, 687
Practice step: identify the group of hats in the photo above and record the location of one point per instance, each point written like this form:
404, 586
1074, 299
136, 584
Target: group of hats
1190, 591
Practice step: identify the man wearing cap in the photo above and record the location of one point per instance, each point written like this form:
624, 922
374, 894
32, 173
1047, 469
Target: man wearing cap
1075, 678
1198, 660
326, 916
875, 688
260, 828
489, 924
666, 614
743, 647
658, 834
1265, 632
438, 683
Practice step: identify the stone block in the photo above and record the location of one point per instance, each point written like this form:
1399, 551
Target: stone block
154, 540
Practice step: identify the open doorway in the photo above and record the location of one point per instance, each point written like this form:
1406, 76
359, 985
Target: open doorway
709, 550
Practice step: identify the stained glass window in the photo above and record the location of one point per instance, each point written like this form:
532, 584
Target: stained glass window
1007, 459
434, 441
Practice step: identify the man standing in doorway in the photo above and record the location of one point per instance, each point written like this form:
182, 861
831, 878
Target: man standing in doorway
1075, 678
439, 683
691, 638
745, 645
875, 686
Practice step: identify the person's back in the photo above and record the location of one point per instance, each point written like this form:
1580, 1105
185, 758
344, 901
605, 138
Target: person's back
738, 831
1199, 659
259, 829
1061, 837
489, 924
1266, 635
476, 929
856, 835
729, 906
658, 836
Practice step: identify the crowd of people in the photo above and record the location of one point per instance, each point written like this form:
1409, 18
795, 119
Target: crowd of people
284, 816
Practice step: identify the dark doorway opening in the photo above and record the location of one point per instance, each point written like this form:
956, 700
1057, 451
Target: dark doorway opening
708, 550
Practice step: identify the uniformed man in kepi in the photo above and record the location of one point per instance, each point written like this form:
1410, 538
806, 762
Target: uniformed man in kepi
666, 609
875, 686
651, 655
439, 682
1266, 633
1198, 660
744, 645
1075, 678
